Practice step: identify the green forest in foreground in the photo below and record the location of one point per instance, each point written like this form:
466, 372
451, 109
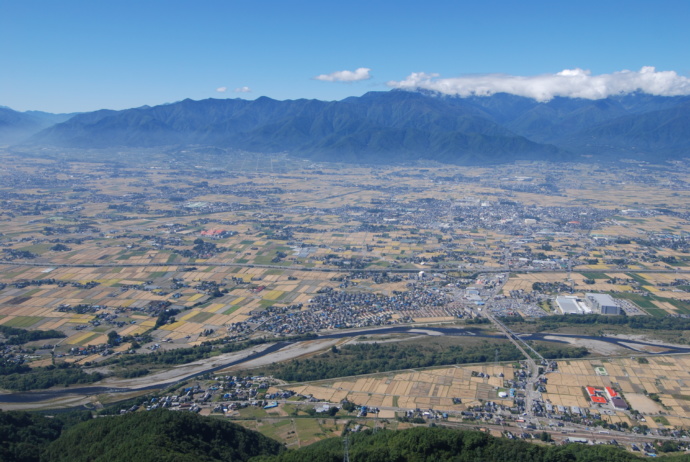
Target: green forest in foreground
167, 436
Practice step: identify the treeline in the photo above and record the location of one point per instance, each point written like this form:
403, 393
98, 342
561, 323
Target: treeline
15, 336
366, 358
12, 367
20, 377
560, 351
195, 353
634, 322
163, 358
63, 374
439, 444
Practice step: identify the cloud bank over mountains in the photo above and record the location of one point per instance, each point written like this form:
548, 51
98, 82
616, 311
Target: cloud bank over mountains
570, 83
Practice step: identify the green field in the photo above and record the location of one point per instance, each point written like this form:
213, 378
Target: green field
89, 338
276, 429
231, 310
23, 321
682, 306
201, 317
639, 279
157, 274
646, 303
309, 429
639, 300
593, 275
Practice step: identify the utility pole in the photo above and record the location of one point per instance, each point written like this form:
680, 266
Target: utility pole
346, 458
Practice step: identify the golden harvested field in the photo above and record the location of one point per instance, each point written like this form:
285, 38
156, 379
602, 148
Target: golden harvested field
91, 247
434, 388
663, 375
666, 376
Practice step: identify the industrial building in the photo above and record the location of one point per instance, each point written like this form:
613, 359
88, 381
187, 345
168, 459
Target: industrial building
593, 303
603, 303
572, 305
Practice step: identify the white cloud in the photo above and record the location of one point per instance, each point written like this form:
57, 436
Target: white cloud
243, 90
572, 83
346, 76
222, 89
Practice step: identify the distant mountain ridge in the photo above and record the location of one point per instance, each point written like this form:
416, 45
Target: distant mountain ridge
17, 126
395, 126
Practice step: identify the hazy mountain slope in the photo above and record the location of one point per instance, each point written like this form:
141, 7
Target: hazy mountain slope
16, 126
377, 127
394, 126
653, 135
557, 120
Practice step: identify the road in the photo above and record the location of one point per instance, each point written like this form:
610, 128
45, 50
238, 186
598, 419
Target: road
206, 264
531, 392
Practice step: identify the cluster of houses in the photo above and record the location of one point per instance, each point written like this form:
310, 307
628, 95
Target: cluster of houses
338, 309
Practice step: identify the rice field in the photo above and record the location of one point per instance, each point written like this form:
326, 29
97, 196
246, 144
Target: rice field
131, 248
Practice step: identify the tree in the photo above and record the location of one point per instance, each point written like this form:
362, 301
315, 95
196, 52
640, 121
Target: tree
349, 407
669, 446
112, 337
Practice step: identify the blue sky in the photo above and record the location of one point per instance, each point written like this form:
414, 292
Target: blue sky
65, 56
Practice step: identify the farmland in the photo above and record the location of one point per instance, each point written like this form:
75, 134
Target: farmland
154, 254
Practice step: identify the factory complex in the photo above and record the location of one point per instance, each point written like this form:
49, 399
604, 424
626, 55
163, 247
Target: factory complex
592, 303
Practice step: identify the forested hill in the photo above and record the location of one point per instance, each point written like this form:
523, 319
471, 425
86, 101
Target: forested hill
163, 436
439, 444
156, 436
388, 126
378, 127
159, 436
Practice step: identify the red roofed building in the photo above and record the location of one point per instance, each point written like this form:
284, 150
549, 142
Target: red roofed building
595, 395
217, 233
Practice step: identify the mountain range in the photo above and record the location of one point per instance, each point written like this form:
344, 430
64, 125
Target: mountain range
382, 127
16, 127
